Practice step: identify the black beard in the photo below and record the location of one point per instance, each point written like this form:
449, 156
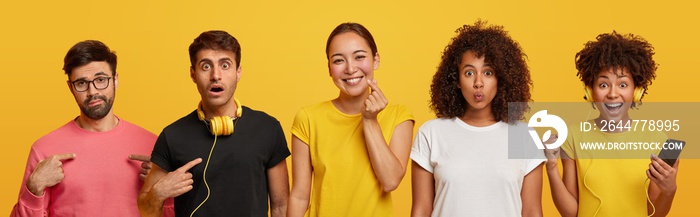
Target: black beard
97, 112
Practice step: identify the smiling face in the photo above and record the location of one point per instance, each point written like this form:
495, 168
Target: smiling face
613, 93
94, 104
477, 81
351, 63
216, 74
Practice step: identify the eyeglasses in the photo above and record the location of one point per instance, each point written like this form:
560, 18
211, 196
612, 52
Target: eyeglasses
100, 83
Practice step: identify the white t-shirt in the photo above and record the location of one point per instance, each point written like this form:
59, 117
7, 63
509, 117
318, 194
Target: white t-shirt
470, 165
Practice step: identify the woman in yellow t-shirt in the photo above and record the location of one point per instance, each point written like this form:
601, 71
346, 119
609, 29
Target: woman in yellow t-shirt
355, 147
616, 70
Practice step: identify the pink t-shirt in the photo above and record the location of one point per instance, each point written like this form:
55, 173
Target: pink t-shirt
100, 181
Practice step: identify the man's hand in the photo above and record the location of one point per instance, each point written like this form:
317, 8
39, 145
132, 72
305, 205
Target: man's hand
176, 182
145, 164
48, 172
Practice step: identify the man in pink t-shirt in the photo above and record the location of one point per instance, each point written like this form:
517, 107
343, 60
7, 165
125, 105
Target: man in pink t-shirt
96, 163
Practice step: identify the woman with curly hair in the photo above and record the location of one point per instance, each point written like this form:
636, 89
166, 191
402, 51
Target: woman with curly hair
355, 147
460, 160
616, 71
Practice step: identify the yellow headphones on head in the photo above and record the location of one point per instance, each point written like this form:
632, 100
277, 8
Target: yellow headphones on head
638, 93
220, 125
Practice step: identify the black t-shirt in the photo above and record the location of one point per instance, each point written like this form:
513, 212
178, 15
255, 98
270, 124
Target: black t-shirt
237, 172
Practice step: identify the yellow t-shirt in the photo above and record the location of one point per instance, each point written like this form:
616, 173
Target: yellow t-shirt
612, 177
344, 183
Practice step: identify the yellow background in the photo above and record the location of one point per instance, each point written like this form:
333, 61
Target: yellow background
284, 65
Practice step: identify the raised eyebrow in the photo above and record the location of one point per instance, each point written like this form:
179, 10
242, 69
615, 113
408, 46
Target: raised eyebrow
336, 54
359, 51
468, 65
204, 60
79, 79
602, 76
225, 59
101, 73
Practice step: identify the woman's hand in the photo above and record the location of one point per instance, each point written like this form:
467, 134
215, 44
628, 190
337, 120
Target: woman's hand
375, 102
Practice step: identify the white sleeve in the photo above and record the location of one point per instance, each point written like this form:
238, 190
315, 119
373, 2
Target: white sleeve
420, 152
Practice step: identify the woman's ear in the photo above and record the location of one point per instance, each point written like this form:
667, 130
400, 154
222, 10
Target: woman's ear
376, 61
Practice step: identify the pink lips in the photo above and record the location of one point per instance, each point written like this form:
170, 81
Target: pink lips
95, 102
479, 96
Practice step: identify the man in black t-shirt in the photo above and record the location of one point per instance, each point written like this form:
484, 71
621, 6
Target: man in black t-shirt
223, 159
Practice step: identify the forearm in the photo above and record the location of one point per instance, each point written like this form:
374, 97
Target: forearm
421, 210
385, 164
566, 203
297, 206
662, 204
149, 205
423, 187
278, 210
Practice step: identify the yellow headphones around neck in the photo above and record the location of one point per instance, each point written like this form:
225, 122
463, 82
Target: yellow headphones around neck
221, 125
638, 93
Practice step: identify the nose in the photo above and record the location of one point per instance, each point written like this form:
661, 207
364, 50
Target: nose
613, 93
350, 68
91, 89
478, 81
215, 73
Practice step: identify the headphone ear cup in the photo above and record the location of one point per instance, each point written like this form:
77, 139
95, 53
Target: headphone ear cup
638, 93
588, 94
221, 125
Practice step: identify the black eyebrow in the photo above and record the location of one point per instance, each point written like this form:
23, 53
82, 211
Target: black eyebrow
355, 52
359, 51
85, 78
204, 60
225, 59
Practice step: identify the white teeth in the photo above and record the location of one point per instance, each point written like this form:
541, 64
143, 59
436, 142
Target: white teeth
353, 80
613, 104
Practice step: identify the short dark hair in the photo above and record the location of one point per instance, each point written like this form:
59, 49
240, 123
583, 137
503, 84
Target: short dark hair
215, 40
498, 49
357, 29
613, 51
88, 51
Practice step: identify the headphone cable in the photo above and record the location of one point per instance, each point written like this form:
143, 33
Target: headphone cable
204, 177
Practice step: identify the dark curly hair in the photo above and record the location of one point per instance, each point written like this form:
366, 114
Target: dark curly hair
502, 53
616, 51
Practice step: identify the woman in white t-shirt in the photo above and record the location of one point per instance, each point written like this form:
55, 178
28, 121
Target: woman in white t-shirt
460, 160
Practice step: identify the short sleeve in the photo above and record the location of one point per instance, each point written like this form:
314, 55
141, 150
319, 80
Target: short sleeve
533, 155
568, 145
301, 127
420, 152
161, 153
404, 114
280, 151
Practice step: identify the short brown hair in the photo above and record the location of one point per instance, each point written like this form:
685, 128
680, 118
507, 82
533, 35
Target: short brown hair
88, 51
215, 40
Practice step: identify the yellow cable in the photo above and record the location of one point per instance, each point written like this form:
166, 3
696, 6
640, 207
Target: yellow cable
585, 174
204, 177
646, 191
